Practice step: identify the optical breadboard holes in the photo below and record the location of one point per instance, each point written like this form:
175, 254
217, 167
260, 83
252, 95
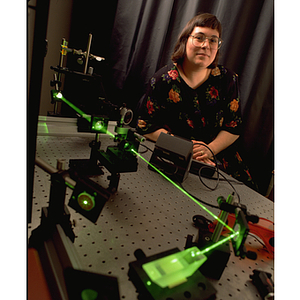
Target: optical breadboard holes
96, 254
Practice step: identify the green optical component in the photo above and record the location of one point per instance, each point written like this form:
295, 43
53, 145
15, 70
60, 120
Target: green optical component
89, 294
174, 269
98, 126
86, 201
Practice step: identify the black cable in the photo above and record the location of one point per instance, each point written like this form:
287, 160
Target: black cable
218, 179
222, 179
239, 199
146, 148
255, 237
143, 152
216, 168
218, 173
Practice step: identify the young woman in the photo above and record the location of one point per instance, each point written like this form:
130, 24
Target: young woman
198, 99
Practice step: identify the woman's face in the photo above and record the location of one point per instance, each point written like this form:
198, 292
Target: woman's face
203, 55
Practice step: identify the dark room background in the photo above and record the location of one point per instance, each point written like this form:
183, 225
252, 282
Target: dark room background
137, 37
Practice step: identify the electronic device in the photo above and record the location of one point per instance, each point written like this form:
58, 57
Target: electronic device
201, 169
264, 283
172, 155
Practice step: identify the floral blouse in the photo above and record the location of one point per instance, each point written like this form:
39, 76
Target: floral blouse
198, 114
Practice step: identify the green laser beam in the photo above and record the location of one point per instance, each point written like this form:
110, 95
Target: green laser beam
59, 95
88, 118
109, 133
220, 242
184, 192
44, 124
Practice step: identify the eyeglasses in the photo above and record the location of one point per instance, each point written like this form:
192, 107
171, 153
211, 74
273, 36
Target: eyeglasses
214, 41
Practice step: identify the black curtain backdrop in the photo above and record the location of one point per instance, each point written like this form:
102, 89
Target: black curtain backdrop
143, 34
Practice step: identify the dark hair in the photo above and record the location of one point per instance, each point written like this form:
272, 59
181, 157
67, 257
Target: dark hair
201, 20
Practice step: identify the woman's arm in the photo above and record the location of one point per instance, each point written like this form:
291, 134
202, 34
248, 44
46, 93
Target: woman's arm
153, 136
221, 142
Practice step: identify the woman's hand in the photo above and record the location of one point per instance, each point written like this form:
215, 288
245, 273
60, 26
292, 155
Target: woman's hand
202, 153
221, 142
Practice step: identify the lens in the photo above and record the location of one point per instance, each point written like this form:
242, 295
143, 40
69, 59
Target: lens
89, 294
86, 201
59, 95
128, 117
98, 126
199, 39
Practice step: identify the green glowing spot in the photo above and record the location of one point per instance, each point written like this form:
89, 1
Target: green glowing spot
149, 283
89, 294
183, 191
98, 126
129, 147
59, 95
70, 186
174, 269
86, 201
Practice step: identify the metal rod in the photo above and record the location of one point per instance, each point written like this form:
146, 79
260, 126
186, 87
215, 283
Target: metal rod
56, 87
50, 170
219, 227
57, 79
61, 58
87, 53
